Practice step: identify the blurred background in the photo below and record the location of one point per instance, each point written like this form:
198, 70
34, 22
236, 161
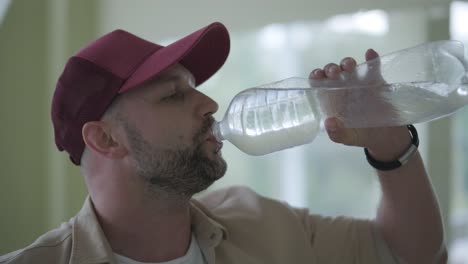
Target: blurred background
271, 40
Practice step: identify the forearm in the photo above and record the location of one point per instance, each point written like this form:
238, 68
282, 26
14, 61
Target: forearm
409, 216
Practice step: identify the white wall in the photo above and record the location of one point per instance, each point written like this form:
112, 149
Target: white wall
163, 18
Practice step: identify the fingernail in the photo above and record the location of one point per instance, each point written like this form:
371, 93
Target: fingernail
332, 69
315, 72
348, 63
373, 52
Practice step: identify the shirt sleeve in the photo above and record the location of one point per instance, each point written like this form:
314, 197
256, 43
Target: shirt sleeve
347, 240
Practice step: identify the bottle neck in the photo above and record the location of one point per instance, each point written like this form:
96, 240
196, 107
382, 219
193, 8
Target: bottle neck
216, 128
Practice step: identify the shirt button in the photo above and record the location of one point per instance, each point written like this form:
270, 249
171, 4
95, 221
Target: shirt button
213, 236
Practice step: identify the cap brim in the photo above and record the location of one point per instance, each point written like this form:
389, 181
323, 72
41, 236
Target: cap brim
203, 53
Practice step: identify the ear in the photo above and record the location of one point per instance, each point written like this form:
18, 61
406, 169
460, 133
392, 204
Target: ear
100, 138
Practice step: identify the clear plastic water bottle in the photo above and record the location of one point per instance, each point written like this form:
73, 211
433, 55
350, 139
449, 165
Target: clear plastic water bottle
414, 85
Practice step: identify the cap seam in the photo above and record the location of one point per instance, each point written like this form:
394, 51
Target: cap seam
136, 68
132, 71
60, 82
181, 58
129, 73
95, 64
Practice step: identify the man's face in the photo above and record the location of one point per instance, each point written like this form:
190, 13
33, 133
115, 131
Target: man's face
168, 127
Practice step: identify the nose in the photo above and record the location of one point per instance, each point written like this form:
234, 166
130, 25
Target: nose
206, 106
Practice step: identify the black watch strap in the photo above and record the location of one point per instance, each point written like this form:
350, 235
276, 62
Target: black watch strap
402, 160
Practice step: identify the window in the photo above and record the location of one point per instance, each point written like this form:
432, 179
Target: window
4, 4
459, 208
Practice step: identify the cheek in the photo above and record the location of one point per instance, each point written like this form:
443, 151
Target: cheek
174, 131
167, 126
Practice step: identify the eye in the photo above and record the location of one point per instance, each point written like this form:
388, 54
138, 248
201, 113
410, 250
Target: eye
175, 96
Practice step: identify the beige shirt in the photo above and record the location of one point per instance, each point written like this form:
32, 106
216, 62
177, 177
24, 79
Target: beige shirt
233, 225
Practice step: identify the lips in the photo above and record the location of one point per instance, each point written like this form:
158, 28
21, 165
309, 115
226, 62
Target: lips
206, 134
211, 138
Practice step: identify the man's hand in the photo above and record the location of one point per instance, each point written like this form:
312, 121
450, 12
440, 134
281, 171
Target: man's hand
384, 143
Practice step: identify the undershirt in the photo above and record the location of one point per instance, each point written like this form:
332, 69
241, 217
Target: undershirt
193, 256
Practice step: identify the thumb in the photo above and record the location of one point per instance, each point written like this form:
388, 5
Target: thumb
339, 134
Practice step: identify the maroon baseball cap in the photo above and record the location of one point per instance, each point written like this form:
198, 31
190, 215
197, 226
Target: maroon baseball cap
120, 61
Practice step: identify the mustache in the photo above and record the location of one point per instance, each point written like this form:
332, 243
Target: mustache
206, 126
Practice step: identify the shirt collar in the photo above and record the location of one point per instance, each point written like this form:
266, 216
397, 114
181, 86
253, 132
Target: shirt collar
90, 244
207, 230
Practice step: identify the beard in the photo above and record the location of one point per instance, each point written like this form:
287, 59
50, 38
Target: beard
181, 171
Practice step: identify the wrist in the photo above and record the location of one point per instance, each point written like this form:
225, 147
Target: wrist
397, 141
383, 162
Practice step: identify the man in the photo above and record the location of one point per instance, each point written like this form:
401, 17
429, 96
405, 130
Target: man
127, 111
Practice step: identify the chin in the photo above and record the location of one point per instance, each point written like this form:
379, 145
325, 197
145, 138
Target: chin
218, 165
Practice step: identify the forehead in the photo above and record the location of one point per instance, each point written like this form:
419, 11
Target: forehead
174, 73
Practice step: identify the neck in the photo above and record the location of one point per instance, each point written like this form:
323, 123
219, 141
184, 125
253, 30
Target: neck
148, 228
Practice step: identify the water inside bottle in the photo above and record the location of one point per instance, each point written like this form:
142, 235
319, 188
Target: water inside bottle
262, 121
391, 104
419, 102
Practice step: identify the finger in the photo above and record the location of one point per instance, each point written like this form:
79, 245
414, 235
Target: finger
339, 134
371, 54
333, 129
332, 71
348, 64
317, 74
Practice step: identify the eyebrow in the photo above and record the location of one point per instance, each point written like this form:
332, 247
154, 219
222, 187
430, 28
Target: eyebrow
173, 78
